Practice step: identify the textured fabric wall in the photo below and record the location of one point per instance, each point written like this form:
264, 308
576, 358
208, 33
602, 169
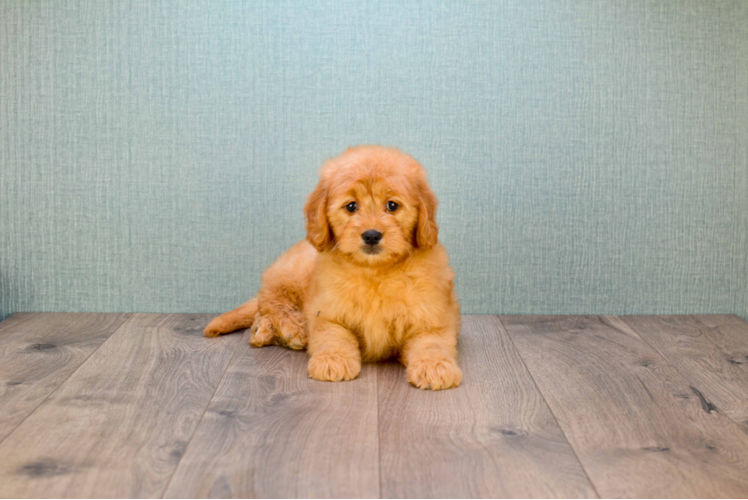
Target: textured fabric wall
590, 156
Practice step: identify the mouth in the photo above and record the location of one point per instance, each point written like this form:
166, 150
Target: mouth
372, 249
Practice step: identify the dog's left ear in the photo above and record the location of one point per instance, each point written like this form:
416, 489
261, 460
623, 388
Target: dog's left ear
427, 232
317, 228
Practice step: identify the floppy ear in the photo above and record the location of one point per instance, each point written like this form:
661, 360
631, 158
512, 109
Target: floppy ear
427, 232
317, 228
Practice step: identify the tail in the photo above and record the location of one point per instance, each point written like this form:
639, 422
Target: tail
241, 317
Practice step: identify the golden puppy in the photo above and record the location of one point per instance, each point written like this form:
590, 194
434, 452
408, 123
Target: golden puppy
370, 282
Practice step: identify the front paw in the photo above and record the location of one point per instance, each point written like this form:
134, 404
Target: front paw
434, 373
334, 366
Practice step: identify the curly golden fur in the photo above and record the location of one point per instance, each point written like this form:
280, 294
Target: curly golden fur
348, 297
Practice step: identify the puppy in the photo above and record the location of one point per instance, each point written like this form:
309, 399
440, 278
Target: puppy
370, 281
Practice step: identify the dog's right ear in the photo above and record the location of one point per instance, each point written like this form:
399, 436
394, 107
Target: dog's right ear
317, 228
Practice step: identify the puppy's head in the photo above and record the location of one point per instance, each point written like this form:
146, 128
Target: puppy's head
373, 206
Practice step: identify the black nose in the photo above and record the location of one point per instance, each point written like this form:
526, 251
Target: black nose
371, 237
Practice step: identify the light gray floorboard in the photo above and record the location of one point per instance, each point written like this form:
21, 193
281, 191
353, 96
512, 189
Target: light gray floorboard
711, 352
633, 420
158, 409
492, 437
119, 425
270, 431
39, 351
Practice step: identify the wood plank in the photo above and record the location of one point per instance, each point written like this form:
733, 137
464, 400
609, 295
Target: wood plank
633, 420
118, 426
38, 351
493, 436
711, 352
270, 431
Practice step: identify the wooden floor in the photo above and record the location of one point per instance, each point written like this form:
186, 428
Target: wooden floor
141, 405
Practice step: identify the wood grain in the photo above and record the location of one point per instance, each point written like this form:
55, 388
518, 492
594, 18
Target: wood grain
119, 425
492, 437
711, 352
638, 427
646, 415
270, 431
39, 351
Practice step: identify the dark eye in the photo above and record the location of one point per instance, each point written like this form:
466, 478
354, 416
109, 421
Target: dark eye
351, 207
392, 206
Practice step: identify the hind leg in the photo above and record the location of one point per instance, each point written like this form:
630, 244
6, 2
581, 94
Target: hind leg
290, 328
275, 314
276, 326
262, 332
281, 298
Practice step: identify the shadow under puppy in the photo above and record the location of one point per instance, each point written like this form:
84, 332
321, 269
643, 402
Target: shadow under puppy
370, 281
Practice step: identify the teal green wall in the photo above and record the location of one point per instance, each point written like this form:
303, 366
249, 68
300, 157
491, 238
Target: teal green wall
590, 156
